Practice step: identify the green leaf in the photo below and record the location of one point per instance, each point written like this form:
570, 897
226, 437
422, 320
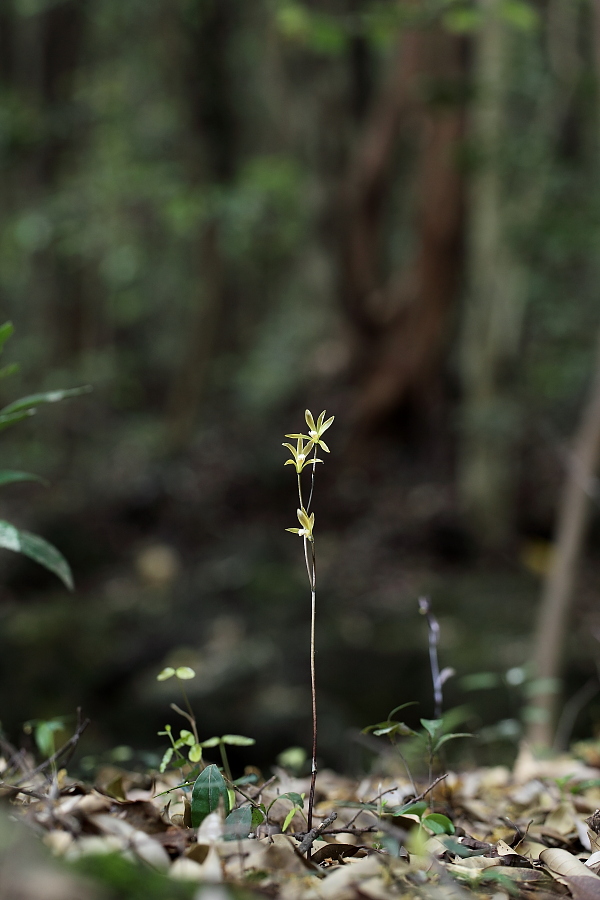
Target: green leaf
168, 672
415, 809
238, 824
402, 706
432, 726
438, 823
297, 799
44, 735
7, 420
8, 476
166, 759
449, 737
195, 754
184, 673
387, 729
292, 796
6, 331
246, 779
395, 728
211, 742
258, 817
33, 400
288, 819
36, 548
237, 740
209, 789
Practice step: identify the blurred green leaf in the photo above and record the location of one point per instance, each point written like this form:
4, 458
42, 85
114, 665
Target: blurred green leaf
11, 418
36, 548
450, 737
238, 824
416, 809
6, 371
237, 740
521, 14
185, 673
432, 726
6, 331
166, 759
34, 400
402, 706
8, 476
438, 823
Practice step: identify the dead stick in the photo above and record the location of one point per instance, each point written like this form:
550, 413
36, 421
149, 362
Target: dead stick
71, 743
314, 833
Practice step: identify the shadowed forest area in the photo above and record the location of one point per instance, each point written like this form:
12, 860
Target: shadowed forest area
218, 213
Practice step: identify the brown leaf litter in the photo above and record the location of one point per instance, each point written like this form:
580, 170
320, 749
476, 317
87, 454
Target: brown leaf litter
533, 832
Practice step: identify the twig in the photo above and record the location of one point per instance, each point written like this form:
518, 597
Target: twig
378, 797
430, 788
14, 790
183, 713
264, 786
313, 834
347, 830
69, 745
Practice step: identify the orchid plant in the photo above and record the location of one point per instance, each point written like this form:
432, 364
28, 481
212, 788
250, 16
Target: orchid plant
304, 455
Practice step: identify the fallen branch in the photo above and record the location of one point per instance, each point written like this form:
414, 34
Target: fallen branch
314, 833
67, 748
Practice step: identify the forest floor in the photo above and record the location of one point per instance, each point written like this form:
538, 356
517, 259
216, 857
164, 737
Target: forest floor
533, 832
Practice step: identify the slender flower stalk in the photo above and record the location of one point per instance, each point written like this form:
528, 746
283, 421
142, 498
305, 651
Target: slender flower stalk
304, 455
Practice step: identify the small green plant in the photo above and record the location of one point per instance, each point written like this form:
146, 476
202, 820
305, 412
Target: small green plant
12, 538
188, 741
304, 455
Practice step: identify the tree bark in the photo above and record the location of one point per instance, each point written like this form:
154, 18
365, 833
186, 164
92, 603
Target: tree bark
399, 320
493, 310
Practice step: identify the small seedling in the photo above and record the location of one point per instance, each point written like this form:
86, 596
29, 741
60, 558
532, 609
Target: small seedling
305, 454
189, 740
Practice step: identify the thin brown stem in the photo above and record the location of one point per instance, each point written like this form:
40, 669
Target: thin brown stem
191, 717
313, 690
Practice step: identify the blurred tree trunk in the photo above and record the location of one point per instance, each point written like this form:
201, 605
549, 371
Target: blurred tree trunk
213, 159
400, 320
41, 52
572, 519
493, 311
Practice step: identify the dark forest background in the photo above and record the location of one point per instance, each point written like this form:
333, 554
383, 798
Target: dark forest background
219, 213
